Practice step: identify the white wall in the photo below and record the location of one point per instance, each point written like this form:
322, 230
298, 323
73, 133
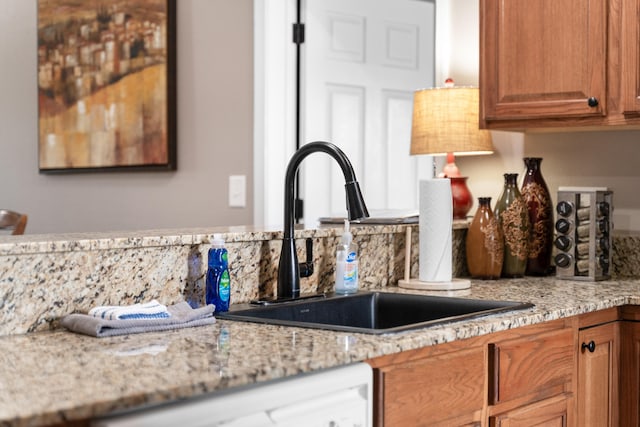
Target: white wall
607, 158
215, 132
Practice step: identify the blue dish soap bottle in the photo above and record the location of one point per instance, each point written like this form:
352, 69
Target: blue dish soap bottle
218, 285
346, 263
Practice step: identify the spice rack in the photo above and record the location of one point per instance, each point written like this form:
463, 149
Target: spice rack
584, 229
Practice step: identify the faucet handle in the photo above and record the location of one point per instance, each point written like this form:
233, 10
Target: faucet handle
306, 268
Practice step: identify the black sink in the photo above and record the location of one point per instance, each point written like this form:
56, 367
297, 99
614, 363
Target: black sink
372, 312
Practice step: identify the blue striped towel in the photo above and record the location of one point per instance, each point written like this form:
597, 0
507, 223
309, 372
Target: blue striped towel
182, 316
150, 310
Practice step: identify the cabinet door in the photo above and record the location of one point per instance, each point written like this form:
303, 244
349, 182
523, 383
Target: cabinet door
598, 376
630, 374
630, 57
543, 58
531, 367
441, 390
552, 413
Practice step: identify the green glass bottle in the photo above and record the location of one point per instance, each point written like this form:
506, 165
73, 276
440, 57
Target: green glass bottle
513, 217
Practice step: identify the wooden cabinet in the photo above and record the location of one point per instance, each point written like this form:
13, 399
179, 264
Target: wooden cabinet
493, 378
630, 58
598, 376
559, 63
531, 367
419, 388
544, 58
581, 371
630, 366
531, 379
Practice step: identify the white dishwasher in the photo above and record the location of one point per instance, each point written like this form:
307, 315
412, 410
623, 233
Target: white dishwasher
337, 397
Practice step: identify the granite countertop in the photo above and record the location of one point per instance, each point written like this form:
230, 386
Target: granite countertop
58, 376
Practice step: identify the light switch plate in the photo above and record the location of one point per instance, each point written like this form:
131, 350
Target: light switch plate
237, 191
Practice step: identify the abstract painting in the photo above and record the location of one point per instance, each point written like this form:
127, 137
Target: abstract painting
106, 85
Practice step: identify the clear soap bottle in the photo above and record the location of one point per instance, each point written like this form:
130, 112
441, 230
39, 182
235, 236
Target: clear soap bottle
346, 263
218, 286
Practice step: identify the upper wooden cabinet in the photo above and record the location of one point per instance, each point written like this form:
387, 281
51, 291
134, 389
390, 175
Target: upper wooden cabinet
630, 56
558, 63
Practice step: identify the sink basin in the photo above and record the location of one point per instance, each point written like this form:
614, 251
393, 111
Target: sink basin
371, 312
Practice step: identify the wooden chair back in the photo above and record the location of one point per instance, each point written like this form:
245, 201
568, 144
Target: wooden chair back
14, 221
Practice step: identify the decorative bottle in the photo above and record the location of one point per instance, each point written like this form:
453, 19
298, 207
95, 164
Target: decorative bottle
513, 217
538, 200
484, 244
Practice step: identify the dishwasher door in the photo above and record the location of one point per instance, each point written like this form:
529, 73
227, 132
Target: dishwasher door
337, 397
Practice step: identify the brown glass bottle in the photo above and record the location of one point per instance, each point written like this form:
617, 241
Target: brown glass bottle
536, 196
484, 243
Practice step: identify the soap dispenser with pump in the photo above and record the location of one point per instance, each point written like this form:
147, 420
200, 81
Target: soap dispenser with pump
346, 263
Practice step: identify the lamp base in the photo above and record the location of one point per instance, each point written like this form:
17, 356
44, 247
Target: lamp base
462, 198
453, 285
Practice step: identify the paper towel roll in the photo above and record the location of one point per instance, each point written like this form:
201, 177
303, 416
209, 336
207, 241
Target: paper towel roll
436, 225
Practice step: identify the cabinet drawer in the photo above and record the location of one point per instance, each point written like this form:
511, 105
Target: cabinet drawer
432, 390
552, 412
540, 365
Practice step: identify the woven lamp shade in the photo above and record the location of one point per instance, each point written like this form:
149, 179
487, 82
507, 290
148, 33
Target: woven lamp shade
446, 120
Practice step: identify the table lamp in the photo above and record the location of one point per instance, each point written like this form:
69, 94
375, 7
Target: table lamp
446, 122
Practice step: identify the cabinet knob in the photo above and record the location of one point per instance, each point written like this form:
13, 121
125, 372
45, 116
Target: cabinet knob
591, 346
592, 101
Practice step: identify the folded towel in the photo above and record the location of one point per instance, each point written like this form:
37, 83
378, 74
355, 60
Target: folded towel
149, 310
181, 316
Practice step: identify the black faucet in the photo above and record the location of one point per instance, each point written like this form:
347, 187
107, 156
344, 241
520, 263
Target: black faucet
289, 270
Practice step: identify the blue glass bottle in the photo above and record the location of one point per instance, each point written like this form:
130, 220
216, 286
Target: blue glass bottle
218, 286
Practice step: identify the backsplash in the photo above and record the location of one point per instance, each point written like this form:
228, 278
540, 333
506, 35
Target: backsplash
45, 277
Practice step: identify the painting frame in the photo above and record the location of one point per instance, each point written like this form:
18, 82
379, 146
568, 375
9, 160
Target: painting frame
107, 77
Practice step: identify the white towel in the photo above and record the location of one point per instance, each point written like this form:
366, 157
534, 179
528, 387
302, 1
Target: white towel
150, 310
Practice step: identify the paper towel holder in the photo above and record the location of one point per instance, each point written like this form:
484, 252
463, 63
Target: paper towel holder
407, 282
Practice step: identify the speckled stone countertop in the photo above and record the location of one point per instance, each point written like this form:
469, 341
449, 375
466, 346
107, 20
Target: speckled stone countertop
56, 376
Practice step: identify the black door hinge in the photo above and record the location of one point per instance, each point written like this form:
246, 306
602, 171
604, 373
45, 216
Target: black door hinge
298, 32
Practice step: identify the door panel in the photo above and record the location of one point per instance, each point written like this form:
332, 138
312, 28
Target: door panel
597, 376
362, 62
401, 177
346, 129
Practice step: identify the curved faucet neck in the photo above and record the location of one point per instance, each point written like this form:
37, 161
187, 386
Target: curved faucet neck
289, 270
292, 169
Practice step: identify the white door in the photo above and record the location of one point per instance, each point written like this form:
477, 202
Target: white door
363, 60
